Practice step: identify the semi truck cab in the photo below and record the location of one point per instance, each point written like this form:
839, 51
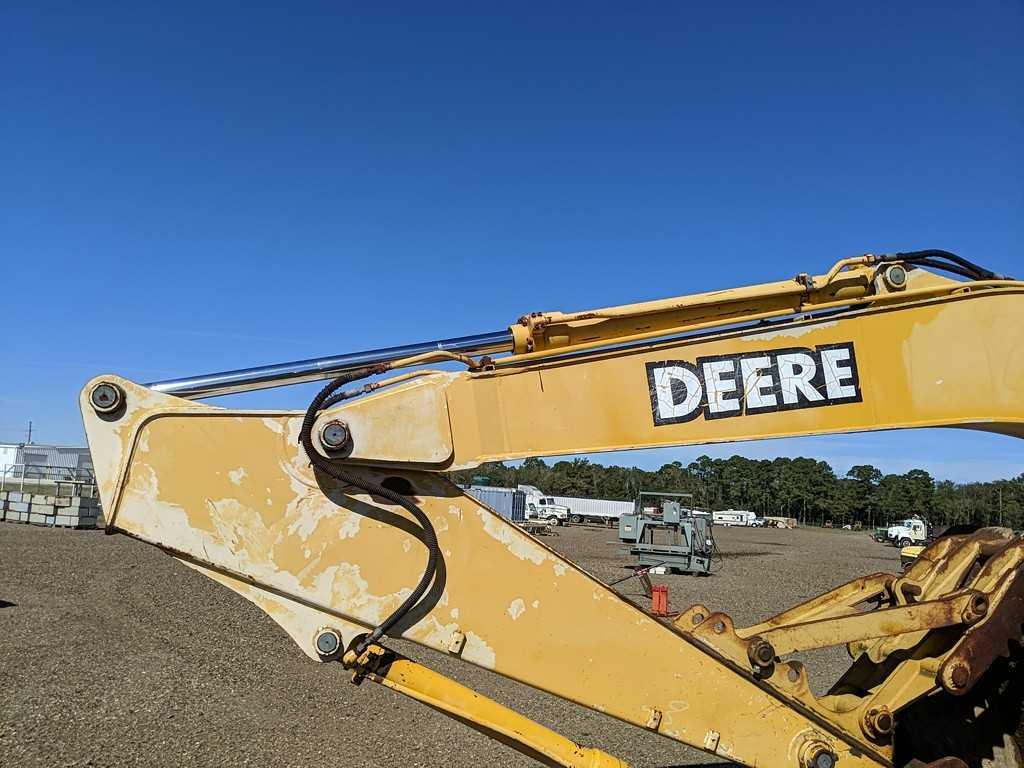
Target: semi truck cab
907, 532
545, 508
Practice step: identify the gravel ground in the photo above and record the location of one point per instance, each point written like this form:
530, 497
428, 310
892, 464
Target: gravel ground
113, 654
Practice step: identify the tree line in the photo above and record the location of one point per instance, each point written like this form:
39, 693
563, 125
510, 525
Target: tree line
803, 488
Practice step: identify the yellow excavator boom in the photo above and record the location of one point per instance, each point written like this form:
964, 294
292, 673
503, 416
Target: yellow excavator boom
340, 523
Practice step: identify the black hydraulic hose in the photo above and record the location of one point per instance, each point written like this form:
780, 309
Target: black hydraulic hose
976, 272
959, 260
341, 475
942, 260
956, 270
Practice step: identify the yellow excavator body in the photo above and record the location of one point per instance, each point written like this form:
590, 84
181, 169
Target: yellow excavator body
341, 524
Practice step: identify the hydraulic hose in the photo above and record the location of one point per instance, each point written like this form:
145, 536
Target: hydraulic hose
946, 260
328, 397
953, 268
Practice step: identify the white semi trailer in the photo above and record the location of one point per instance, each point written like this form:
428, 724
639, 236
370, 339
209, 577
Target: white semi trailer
580, 510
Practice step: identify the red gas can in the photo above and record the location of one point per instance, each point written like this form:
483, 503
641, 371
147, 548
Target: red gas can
659, 600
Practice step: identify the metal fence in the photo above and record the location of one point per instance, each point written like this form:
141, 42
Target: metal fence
49, 495
22, 472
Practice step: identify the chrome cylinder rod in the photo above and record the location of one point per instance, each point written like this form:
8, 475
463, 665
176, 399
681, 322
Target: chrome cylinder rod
299, 371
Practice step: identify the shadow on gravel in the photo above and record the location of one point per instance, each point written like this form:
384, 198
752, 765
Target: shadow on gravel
736, 555
879, 559
7, 604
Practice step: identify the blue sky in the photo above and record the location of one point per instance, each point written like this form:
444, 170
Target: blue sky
186, 189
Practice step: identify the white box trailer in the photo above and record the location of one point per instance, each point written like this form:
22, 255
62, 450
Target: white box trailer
605, 511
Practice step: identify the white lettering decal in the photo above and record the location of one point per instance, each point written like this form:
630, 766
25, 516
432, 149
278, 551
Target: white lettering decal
717, 387
838, 370
756, 374
672, 381
796, 370
756, 383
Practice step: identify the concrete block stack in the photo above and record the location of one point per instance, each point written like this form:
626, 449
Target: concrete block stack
69, 505
15, 505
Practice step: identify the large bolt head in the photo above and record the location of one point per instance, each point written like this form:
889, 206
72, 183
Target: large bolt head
819, 755
334, 435
878, 722
760, 652
959, 675
884, 722
328, 643
106, 397
896, 277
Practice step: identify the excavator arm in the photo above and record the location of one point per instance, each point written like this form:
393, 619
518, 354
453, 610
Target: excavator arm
340, 523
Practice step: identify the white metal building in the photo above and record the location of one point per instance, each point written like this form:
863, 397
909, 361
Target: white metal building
8, 455
55, 462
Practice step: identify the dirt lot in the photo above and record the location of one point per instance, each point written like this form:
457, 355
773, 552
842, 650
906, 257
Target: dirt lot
113, 654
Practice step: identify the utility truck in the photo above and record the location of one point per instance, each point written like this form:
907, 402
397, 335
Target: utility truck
913, 530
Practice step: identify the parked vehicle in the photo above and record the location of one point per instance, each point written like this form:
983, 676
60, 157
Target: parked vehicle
542, 507
913, 530
576, 509
596, 511
735, 517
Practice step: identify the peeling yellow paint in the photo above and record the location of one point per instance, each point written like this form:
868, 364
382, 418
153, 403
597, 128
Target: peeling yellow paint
514, 540
343, 584
516, 608
791, 332
274, 426
476, 651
